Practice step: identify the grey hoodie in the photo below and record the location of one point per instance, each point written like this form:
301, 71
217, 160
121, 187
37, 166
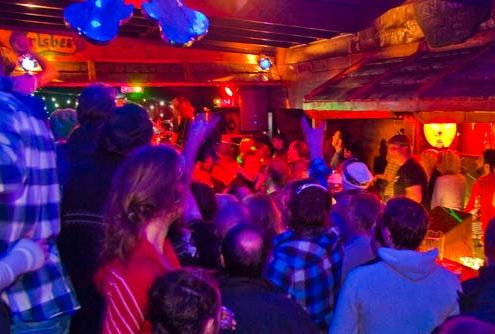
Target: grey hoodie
404, 292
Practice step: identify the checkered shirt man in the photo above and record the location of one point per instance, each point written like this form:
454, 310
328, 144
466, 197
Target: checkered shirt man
308, 269
29, 206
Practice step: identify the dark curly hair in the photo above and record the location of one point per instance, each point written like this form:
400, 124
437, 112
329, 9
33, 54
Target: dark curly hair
489, 158
309, 207
182, 302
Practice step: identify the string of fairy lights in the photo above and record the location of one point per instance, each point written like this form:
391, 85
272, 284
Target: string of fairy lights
156, 106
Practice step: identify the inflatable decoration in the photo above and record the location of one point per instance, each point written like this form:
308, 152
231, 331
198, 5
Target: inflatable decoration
179, 25
97, 20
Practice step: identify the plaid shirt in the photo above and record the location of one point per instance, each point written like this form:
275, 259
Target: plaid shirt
29, 206
307, 269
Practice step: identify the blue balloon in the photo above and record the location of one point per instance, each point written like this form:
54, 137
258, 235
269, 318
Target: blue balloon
98, 20
179, 25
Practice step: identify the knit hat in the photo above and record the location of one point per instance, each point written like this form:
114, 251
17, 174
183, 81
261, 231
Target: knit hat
127, 128
356, 175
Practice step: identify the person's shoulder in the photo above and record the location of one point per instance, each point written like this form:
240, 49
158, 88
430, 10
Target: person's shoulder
366, 271
488, 178
413, 164
448, 278
9, 104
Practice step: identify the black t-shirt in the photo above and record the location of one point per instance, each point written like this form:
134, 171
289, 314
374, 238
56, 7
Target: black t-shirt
410, 174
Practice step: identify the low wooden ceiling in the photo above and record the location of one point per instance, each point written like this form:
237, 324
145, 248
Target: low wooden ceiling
247, 26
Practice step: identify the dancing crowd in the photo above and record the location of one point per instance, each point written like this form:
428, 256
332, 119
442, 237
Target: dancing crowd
103, 232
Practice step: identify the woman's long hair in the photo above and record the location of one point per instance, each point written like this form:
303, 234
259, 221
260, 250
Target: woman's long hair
145, 186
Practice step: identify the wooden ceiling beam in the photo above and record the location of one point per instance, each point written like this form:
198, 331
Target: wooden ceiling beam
258, 35
249, 40
271, 27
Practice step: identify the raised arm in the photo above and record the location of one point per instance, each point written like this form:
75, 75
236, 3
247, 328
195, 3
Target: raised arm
22, 46
318, 169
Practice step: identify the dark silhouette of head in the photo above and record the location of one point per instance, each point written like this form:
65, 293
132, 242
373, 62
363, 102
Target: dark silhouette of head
264, 213
95, 103
62, 122
353, 150
356, 213
205, 198
404, 223
309, 207
184, 302
244, 251
298, 150
230, 213
489, 159
399, 146
127, 128
364, 210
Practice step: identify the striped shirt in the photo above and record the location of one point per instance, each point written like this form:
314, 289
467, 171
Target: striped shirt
125, 287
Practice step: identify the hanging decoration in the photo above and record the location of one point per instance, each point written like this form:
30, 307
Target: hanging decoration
440, 135
99, 20
179, 25
135, 3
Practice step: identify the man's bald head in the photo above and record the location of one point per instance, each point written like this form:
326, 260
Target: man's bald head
244, 251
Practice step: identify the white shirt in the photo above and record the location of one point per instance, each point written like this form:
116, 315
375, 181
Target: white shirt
449, 192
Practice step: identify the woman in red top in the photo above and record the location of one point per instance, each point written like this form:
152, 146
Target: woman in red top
146, 197
145, 200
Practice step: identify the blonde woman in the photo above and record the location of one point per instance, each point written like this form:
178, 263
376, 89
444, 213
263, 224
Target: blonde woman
450, 187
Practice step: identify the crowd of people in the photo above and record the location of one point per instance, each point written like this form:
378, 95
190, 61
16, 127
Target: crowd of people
103, 232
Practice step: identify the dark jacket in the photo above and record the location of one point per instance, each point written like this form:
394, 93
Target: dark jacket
81, 238
83, 142
259, 310
478, 298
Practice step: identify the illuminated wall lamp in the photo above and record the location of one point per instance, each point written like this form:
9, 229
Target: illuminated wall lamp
440, 135
228, 91
265, 63
28, 63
